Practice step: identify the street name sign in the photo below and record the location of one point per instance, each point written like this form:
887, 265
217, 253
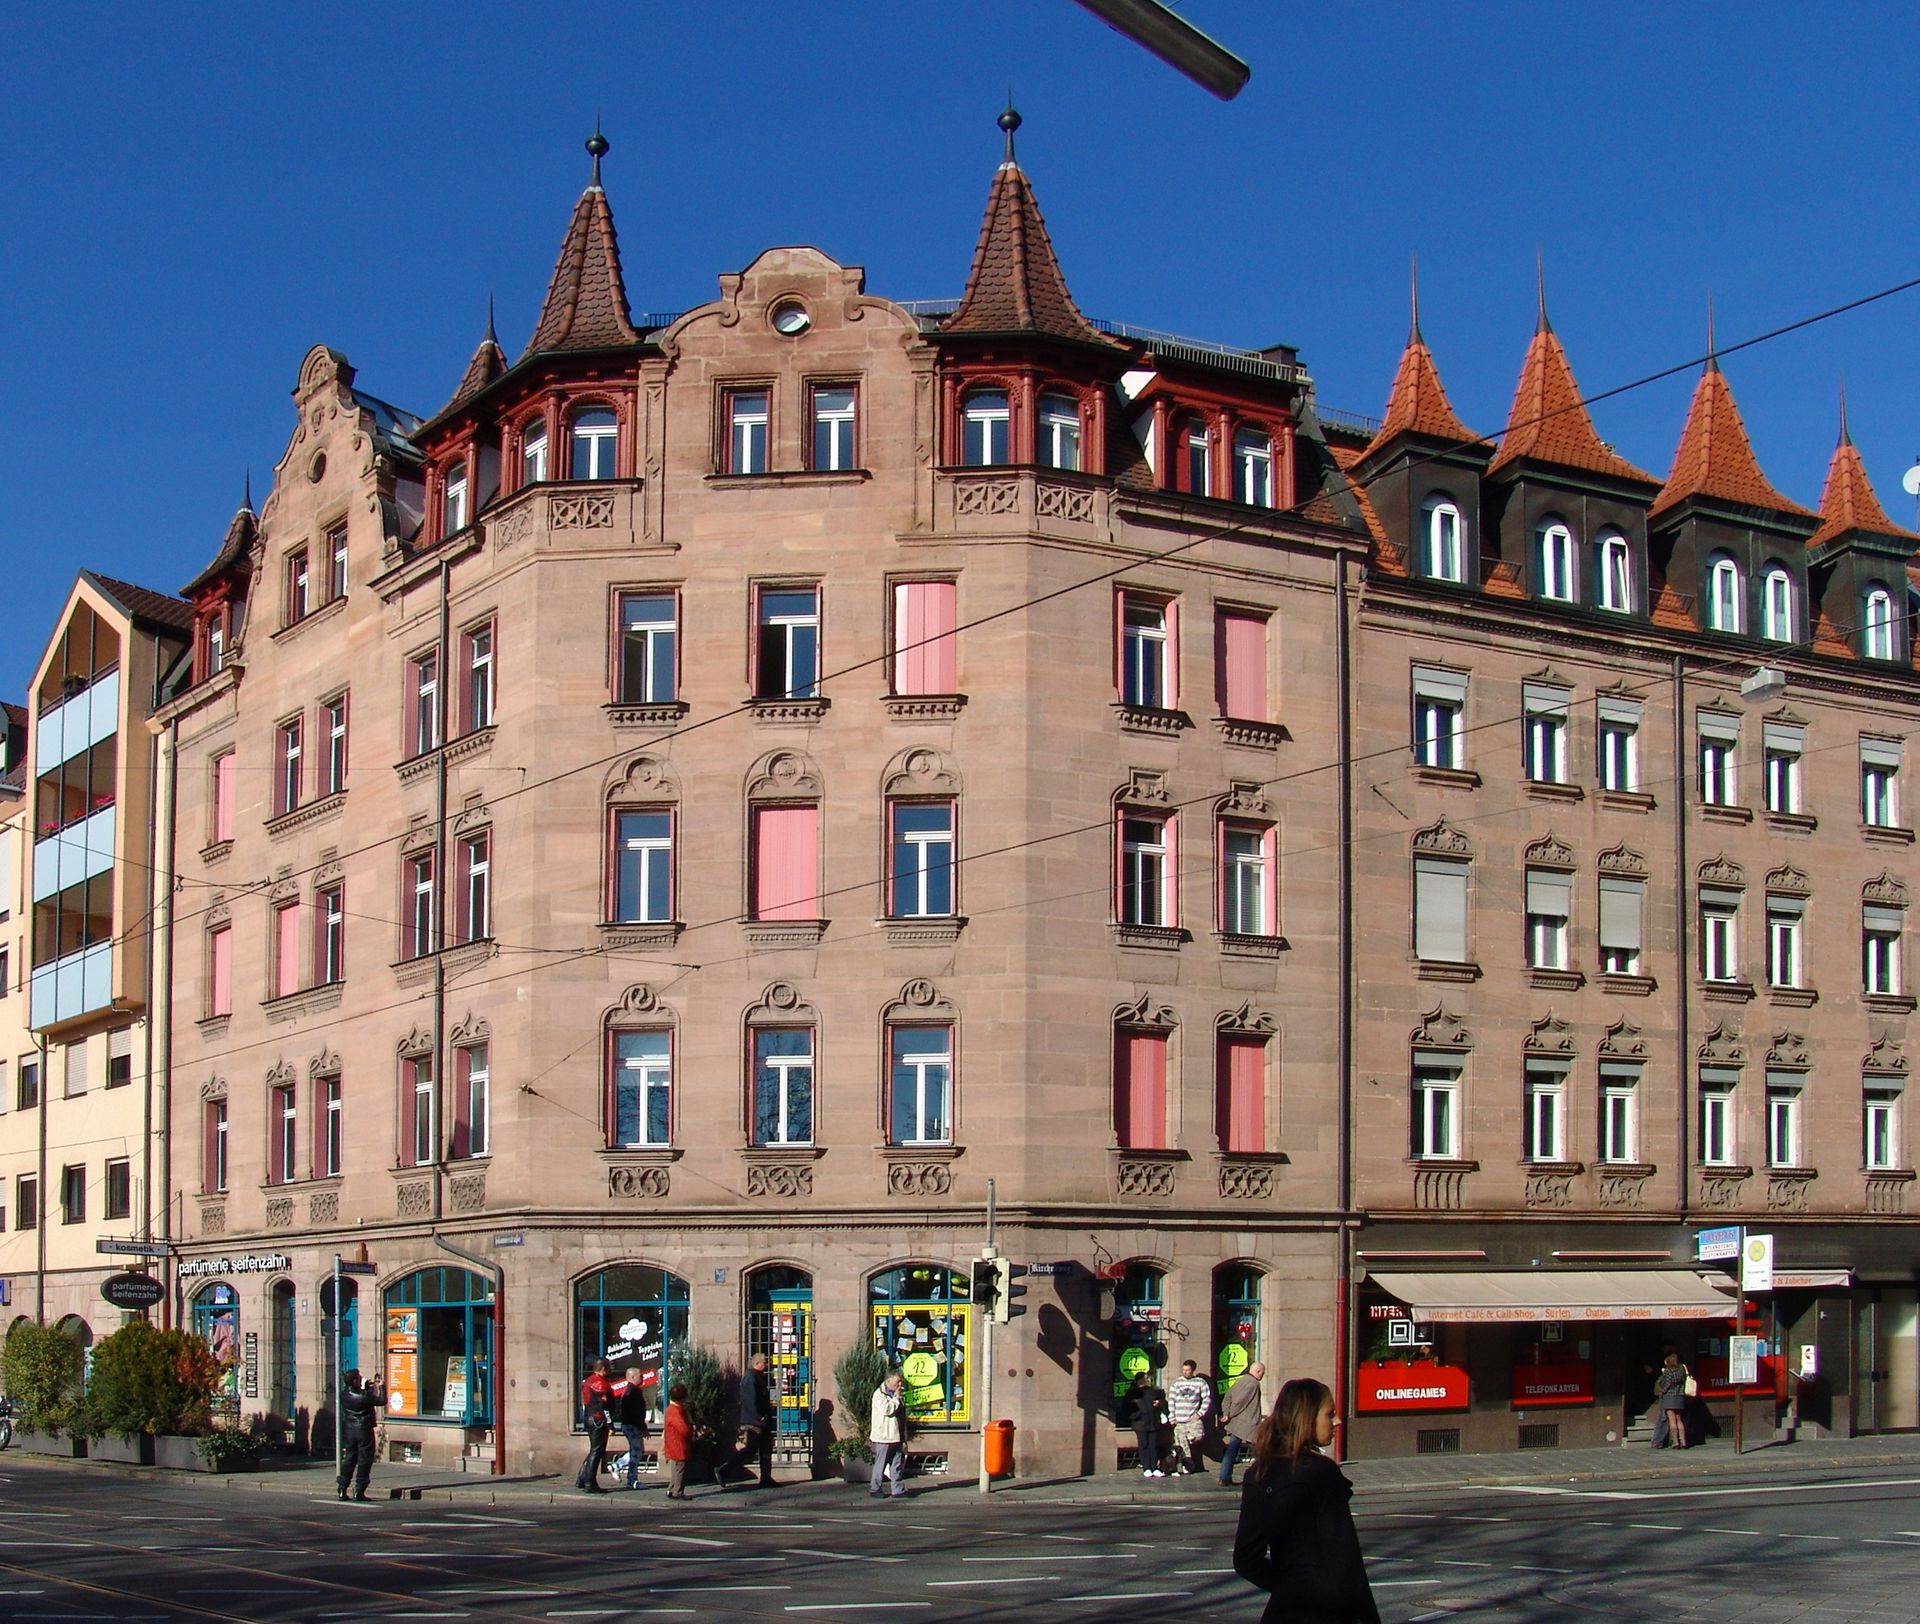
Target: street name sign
131, 1248
1756, 1264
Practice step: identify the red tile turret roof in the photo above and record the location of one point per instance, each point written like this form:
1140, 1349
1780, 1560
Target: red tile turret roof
487, 364
234, 548
1847, 502
1715, 458
1417, 403
586, 303
1549, 421
1015, 284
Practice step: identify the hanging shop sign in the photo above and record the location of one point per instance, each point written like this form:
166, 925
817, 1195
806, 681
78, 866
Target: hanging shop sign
135, 1291
1391, 1386
242, 1263
1539, 1386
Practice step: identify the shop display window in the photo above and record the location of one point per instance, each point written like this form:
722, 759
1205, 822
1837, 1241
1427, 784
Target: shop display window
439, 1347
923, 1322
634, 1317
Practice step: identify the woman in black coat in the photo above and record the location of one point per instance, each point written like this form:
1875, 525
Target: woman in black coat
1296, 1539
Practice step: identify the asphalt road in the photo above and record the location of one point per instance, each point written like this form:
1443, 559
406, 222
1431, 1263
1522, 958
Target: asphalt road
87, 1546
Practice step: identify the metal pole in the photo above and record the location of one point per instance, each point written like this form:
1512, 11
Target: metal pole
339, 1457
1739, 1329
986, 1361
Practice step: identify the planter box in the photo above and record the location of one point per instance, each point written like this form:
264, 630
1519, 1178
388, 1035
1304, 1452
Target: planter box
44, 1443
179, 1455
857, 1471
132, 1449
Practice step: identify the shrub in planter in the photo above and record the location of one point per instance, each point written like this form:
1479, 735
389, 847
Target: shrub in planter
44, 1369
860, 1371
153, 1382
235, 1449
712, 1412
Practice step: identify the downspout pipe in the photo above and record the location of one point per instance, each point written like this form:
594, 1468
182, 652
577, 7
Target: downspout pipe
499, 1277
166, 1003
442, 884
1343, 1277
1682, 948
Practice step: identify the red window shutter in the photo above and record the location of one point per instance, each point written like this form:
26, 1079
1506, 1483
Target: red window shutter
924, 632
786, 862
1172, 656
1170, 833
1242, 656
1241, 1105
276, 1166
223, 783
286, 950
1140, 1094
1270, 860
462, 1113
220, 954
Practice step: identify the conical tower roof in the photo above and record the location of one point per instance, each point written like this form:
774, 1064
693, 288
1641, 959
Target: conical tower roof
1715, 458
1016, 285
242, 528
1417, 403
586, 303
1549, 421
488, 363
1847, 502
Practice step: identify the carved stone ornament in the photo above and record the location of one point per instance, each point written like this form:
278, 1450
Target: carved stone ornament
415, 1044
780, 1003
281, 1075
1547, 852
1245, 1019
284, 890
919, 1000
1788, 1051
1884, 889
1137, 1176
1549, 1035
1244, 801
414, 1200
779, 1179
581, 510
468, 1193
218, 913
1623, 1041
783, 773
1550, 1189
1547, 677
1722, 1047
213, 1219
1885, 1056
642, 778
639, 1003
920, 771
325, 1064
1789, 881
1623, 860
1246, 1181
985, 497
280, 1212
1787, 717
1717, 1194
1444, 839
1720, 870
471, 1028
919, 1178
214, 1088
1620, 1189
627, 1183
1146, 789
474, 815
1144, 1014
1441, 1029
1439, 1189
1787, 1195
324, 1208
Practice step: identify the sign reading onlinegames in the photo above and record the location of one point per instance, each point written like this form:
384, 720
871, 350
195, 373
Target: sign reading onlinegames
1393, 1387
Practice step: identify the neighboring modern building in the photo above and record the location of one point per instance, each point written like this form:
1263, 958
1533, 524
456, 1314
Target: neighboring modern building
672, 847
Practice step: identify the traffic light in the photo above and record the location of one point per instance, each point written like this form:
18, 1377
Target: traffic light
986, 1286
1007, 1290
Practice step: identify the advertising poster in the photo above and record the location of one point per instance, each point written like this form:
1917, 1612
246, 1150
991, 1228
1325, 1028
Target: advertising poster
929, 1344
454, 1405
403, 1361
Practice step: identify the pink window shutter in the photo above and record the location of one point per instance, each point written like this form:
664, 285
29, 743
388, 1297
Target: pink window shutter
1143, 1093
786, 878
1243, 1066
943, 652
220, 946
276, 1164
1270, 859
1243, 657
462, 1114
286, 950
223, 797
1171, 836
1172, 655
1119, 643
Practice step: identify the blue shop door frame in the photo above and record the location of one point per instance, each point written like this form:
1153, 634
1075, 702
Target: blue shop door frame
783, 1331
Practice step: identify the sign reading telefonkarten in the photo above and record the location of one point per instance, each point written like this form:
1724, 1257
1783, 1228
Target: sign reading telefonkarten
241, 1263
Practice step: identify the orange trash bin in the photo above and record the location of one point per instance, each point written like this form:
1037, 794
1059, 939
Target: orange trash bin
999, 1448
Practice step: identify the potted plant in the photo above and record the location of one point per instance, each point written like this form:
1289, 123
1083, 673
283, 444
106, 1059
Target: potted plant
153, 1391
44, 1368
712, 1414
859, 1373
235, 1449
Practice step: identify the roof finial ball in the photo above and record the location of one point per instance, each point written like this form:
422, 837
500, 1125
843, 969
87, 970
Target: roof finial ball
1009, 121
597, 144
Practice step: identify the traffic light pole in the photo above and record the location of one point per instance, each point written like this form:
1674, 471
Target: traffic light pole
984, 1311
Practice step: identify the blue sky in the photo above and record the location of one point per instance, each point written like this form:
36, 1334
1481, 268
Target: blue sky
196, 195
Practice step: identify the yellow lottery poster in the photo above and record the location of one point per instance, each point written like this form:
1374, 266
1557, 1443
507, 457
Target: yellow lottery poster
929, 1343
403, 1361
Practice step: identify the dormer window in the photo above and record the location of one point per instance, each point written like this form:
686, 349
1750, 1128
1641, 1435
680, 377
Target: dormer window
1876, 624
986, 429
1440, 541
1776, 605
1723, 595
1197, 446
1253, 467
216, 644
1616, 573
1556, 564
533, 452
454, 508
1059, 431
594, 435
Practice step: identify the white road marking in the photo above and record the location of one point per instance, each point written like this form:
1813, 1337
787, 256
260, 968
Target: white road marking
1749, 1533
1665, 1528
681, 1539
486, 1590
1105, 1557
1446, 1562
1132, 1595
1829, 1539
837, 1556
850, 1606
1015, 1579
1401, 1584
706, 1590
1841, 1487
1194, 1573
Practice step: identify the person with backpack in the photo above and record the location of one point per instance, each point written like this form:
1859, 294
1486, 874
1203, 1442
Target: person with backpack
596, 1409
1296, 1538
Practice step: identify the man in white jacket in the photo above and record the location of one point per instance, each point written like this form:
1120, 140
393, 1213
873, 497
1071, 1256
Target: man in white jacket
887, 1433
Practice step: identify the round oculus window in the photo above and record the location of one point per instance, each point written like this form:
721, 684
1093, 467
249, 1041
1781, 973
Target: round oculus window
791, 318
317, 469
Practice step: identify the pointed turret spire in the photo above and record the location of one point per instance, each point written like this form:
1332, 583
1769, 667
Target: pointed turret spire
1413, 278
1417, 403
1713, 351
487, 364
1549, 422
1846, 434
1847, 501
1715, 458
246, 491
235, 546
1542, 325
1009, 121
1016, 285
586, 303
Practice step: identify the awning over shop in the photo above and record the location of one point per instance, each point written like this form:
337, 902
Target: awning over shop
1811, 1279
1535, 1295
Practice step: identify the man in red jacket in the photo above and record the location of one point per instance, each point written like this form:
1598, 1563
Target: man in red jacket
596, 1400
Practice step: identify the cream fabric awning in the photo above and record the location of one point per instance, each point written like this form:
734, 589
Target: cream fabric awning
1533, 1295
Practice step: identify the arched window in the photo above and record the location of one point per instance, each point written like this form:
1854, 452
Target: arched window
1236, 1319
453, 510
1440, 540
1556, 563
923, 1323
533, 451
215, 1317
1196, 449
1876, 624
986, 428
281, 1392
593, 436
633, 1316
1616, 572
1776, 605
1724, 592
439, 1347
1059, 438
1253, 467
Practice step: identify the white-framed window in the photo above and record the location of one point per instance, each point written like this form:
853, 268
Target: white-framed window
1784, 1148
1439, 717
1253, 467
648, 666
1442, 541
1880, 932
783, 1085
327, 1159
333, 714
533, 452
1247, 881
337, 561
1785, 966
1196, 440
1059, 431
1776, 605
1440, 910
1615, 566
920, 872
1544, 733
453, 511
642, 866
330, 933
1557, 578
474, 855
1880, 783
640, 1089
1725, 595
420, 931
920, 1085
986, 429
1781, 748
835, 417
424, 694
1622, 907
476, 654
299, 587
286, 789
1544, 1123
1146, 893
593, 440
1718, 1142
283, 1120
1719, 759
419, 1143
1881, 1150
472, 1102
1619, 735
1147, 651
1436, 1107
1877, 637
216, 644
788, 647
1619, 1111
1549, 906
1719, 934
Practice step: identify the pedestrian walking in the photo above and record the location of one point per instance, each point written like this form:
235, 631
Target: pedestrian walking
1672, 1387
1296, 1538
630, 1415
1146, 1413
887, 1432
676, 1441
361, 1405
1240, 1412
596, 1407
1189, 1402
756, 1421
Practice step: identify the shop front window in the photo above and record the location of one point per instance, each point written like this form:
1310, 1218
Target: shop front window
1139, 1305
1236, 1320
439, 1331
216, 1321
635, 1318
923, 1322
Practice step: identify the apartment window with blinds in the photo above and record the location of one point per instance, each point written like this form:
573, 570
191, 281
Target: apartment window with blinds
1544, 1123
1781, 750
1879, 783
1148, 652
1544, 738
224, 779
1619, 1112
1140, 1090
119, 1187
1719, 769
785, 873
1241, 665
74, 1068
1880, 1113
1718, 1146
925, 648
1619, 744
1436, 1107
1249, 892
1147, 892
119, 1056
1784, 963
1549, 907
1880, 931
1240, 1094
1622, 910
1720, 935
1783, 1118
1439, 717
1440, 910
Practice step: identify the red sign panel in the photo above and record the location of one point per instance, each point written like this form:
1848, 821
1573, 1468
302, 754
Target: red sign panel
1537, 1386
1388, 1387
1710, 1370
